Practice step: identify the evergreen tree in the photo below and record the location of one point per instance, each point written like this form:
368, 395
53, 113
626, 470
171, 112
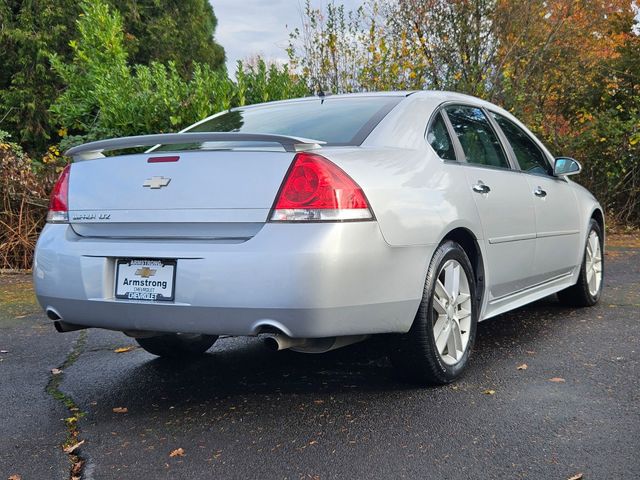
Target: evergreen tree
170, 30
180, 31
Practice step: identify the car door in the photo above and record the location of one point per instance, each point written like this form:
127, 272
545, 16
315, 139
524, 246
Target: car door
556, 207
503, 200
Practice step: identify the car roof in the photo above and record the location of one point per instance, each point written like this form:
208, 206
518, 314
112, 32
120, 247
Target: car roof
436, 95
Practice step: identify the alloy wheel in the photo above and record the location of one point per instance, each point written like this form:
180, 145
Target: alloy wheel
452, 312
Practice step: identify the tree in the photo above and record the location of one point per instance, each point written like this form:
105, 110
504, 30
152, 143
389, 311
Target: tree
28, 30
180, 31
568, 68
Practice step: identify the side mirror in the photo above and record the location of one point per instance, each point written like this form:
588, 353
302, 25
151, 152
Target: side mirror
566, 166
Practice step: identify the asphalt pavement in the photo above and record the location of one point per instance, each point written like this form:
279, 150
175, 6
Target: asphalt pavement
551, 393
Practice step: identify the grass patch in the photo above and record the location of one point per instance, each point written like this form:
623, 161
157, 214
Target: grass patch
16, 296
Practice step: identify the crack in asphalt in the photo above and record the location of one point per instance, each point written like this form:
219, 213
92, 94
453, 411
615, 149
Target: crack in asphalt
75, 414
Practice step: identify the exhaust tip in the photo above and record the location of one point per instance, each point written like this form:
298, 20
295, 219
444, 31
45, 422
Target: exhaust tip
52, 314
271, 344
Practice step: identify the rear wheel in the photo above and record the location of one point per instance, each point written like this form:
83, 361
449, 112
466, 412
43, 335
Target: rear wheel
436, 350
177, 345
586, 292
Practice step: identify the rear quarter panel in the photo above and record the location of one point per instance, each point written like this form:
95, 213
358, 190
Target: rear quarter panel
415, 196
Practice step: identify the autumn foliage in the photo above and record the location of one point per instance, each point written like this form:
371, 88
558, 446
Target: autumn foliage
570, 69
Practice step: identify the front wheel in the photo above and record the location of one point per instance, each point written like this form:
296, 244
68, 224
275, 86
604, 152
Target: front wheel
436, 350
586, 292
177, 345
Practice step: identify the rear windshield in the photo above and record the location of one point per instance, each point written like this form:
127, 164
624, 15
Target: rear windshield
337, 121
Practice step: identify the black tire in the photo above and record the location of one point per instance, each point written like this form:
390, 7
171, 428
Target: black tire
414, 354
177, 345
579, 295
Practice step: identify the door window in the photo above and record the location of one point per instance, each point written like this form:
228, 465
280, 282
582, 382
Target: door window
529, 156
438, 137
479, 142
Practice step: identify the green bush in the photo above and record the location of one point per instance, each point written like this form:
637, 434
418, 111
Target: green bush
105, 97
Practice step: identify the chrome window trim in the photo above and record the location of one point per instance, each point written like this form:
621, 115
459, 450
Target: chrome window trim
458, 146
533, 139
438, 111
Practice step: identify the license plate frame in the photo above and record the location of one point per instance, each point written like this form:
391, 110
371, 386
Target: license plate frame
134, 279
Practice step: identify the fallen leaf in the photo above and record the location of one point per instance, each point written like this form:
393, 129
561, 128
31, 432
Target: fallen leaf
557, 380
178, 452
77, 468
488, 391
72, 448
522, 367
56, 371
120, 410
15, 477
531, 352
318, 401
124, 349
577, 476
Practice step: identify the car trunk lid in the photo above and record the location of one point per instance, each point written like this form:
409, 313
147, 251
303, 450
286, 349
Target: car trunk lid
222, 195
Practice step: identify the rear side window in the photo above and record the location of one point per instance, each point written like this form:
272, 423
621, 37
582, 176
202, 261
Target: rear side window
438, 137
337, 121
529, 156
479, 142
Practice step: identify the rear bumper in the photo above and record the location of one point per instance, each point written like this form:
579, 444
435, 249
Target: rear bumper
306, 280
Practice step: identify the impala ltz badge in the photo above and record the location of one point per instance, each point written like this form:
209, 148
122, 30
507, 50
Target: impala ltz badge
156, 182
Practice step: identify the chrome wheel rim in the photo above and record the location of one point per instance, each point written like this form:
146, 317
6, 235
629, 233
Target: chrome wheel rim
452, 312
594, 263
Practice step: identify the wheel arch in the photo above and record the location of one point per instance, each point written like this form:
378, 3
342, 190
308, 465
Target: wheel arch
598, 216
469, 243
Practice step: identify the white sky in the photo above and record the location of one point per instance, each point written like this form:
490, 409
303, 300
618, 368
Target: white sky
250, 27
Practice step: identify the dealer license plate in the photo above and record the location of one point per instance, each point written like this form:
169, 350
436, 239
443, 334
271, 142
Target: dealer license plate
145, 279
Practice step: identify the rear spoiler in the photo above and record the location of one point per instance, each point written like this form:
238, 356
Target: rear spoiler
92, 150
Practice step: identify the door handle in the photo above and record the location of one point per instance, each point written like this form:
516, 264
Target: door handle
481, 188
539, 192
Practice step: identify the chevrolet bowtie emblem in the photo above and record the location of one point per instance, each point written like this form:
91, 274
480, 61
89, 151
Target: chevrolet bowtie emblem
156, 182
145, 272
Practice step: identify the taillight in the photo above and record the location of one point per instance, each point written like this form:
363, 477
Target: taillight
316, 189
59, 202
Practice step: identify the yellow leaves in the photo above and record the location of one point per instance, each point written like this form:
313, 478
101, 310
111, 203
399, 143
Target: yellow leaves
584, 117
124, 349
488, 391
52, 156
635, 139
178, 452
62, 132
120, 410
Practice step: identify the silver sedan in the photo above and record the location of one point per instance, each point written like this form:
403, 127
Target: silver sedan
318, 222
